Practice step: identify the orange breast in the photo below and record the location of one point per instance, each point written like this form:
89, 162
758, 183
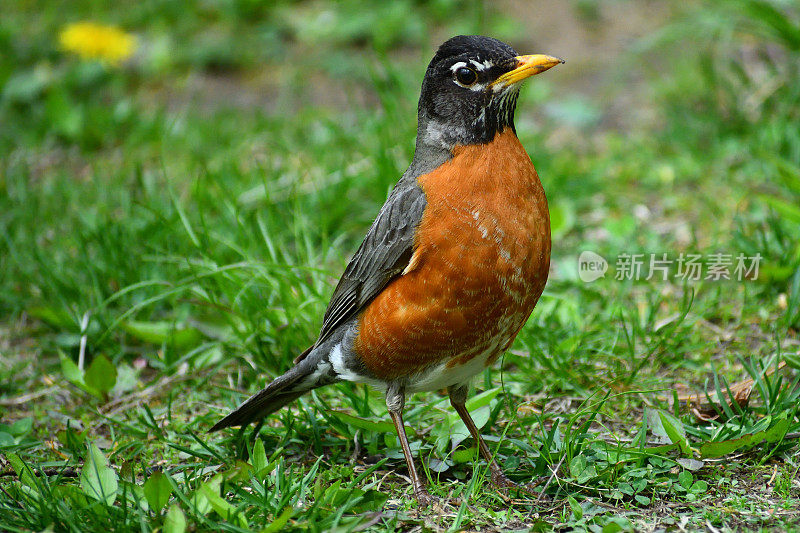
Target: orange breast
482, 254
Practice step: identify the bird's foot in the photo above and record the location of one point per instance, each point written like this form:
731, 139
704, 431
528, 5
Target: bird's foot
501, 482
424, 498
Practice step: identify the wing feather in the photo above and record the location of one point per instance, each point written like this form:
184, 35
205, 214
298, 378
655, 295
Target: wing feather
384, 254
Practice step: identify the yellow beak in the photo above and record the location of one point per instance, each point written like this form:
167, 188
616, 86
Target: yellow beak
527, 66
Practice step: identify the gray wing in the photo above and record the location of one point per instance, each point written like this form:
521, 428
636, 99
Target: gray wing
385, 252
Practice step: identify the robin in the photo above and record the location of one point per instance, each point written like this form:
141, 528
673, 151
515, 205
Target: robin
455, 261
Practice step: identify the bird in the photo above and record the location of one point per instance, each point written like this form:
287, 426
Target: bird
455, 261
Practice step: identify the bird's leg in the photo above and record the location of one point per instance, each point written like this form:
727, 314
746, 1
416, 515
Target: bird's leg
395, 400
458, 399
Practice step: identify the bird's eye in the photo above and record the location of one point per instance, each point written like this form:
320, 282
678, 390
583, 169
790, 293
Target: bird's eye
466, 76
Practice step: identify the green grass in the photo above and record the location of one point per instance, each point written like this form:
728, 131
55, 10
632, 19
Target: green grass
171, 230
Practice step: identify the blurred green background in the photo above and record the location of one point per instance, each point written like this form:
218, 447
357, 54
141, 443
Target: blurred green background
181, 185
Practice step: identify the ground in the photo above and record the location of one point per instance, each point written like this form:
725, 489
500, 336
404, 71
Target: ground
173, 224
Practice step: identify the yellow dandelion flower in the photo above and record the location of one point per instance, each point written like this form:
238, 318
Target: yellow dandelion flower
96, 41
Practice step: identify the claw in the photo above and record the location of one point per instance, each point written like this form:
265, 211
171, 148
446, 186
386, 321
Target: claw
501, 482
425, 498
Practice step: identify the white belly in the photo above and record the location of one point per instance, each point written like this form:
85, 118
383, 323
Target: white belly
441, 377
435, 378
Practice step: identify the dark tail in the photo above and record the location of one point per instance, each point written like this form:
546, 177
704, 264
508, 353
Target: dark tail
282, 391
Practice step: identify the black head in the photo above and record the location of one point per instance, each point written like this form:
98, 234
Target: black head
470, 90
